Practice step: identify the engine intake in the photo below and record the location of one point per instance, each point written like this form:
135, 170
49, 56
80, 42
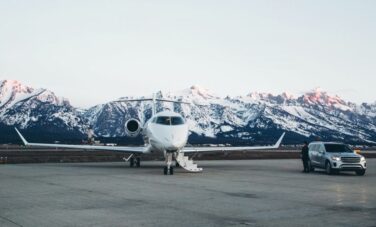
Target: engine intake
132, 128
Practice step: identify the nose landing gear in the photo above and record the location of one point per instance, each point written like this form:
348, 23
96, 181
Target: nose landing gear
168, 169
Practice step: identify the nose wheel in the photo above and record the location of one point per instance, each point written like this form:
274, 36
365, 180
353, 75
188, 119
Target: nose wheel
168, 169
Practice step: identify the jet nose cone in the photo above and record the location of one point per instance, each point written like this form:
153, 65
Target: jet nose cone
172, 146
174, 143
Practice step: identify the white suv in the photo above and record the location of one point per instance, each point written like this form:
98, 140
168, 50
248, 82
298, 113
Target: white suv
335, 157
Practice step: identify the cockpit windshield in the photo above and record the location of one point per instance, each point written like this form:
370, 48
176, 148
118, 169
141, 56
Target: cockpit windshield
177, 121
163, 120
169, 120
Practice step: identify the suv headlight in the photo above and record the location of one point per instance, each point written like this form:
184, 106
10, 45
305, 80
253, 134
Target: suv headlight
336, 158
362, 159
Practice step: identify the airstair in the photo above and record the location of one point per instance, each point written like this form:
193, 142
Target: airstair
187, 163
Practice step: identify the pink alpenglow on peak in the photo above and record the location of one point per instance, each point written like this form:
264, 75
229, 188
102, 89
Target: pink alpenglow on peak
12, 92
318, 96
201, 91
288, 96
14, 86
198, 93
259, 96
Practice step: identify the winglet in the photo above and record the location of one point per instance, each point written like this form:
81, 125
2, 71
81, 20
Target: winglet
279, 141
22, 138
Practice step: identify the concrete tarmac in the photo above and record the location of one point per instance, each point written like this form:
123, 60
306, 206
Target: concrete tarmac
227, 193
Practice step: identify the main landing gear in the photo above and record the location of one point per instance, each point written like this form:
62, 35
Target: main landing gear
135, 162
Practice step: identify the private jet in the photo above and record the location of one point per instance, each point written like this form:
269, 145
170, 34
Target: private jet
165, 132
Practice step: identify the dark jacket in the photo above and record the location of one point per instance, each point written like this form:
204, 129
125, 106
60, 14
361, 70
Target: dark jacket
305, 153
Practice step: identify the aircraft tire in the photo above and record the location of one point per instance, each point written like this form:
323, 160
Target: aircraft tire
138, 162
131, 162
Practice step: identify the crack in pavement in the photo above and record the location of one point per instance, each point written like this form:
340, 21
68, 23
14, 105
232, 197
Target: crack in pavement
10, 221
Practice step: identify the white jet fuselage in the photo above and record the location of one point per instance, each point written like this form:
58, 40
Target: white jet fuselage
166, 136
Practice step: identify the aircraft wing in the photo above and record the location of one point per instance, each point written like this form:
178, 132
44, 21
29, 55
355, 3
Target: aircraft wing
229, 149
85, 147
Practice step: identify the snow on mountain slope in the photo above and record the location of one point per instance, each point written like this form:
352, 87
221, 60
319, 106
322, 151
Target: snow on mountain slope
12, 92
26, 107
254, 118
314, 114
317, 114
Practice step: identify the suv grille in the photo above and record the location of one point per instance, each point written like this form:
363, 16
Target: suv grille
350, 159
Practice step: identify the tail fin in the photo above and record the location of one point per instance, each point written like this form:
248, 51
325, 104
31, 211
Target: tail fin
22, 138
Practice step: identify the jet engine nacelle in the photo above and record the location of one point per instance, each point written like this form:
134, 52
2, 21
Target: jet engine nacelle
132, 128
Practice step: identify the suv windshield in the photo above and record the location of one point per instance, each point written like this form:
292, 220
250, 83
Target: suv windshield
337, 148
170, 121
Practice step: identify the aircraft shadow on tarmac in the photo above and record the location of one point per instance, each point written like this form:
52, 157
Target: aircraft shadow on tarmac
111, 166
159, 165
207, 166
155, 169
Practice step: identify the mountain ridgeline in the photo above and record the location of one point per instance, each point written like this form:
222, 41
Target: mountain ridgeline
257, 118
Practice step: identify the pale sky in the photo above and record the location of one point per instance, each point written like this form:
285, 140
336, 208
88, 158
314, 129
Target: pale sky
92, 52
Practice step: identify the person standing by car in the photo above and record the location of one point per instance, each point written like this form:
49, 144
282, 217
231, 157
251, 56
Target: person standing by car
305, 157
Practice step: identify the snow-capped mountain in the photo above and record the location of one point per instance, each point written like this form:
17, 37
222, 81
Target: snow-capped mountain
257, 117
38, 110
253, 118
317, 114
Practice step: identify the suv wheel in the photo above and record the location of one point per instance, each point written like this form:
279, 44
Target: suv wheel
328, 168
360, 172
